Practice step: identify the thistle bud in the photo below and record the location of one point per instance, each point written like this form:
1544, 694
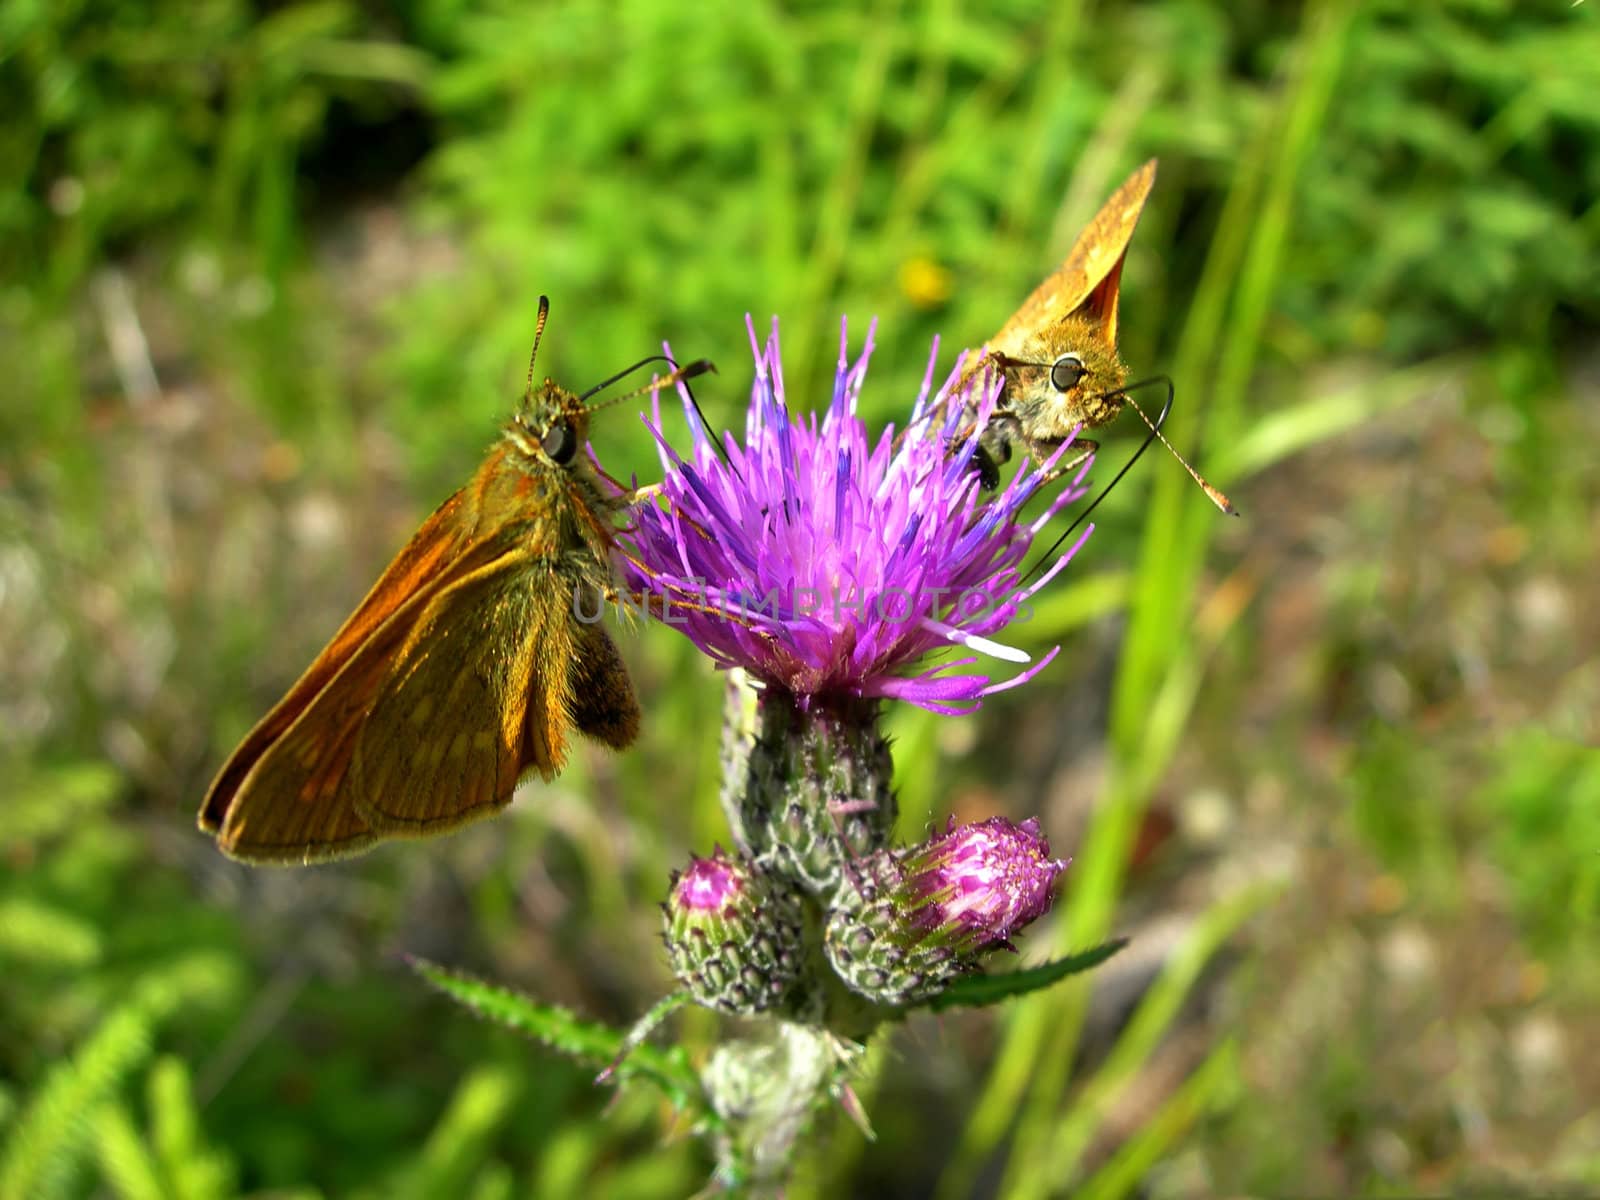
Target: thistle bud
733, 935
913, 920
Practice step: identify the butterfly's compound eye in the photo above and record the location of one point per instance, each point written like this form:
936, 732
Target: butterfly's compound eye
560, 442
1066, 371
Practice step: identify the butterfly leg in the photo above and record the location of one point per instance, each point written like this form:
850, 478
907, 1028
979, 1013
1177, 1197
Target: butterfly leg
1082, 450
632, 496
629, 495
994, 448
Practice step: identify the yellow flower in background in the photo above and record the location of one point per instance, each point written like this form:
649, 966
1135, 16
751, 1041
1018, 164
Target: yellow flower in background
926, 283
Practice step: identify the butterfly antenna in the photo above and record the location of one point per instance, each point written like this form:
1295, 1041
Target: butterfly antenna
679, 375
623, 374
1214, 494
538, 332
1155, 432
716, 442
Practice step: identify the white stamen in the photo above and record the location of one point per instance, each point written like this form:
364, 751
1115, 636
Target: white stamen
973, 642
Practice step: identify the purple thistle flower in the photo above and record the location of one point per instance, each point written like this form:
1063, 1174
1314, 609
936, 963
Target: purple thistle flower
710, 885
975, 885
846, 561
733, 935
913, 920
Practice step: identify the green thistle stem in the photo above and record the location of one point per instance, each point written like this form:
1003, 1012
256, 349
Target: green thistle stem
807, 794
806, 791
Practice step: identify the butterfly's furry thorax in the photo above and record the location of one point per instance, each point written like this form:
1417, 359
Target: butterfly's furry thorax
1046, 411
540, 467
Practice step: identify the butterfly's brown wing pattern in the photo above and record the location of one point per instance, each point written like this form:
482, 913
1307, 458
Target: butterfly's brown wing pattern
465, 666
460, 671
406, 738
1087, 280
490, 663
433, 545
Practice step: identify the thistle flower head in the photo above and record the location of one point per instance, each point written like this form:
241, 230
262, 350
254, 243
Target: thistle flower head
733, 935
710, 887
975, 885
909, 922
845, 562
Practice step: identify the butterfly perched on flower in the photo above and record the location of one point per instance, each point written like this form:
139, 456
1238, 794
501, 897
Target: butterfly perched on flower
1058, 352
466, 667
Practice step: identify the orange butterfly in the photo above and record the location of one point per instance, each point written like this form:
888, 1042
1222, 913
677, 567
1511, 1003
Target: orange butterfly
464, 667
1058, 352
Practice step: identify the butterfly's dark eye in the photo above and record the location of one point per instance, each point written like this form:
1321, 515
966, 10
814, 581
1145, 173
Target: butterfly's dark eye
1066, 372
560, 442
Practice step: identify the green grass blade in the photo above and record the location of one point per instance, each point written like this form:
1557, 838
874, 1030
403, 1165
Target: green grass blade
1213, 1080
1056, 1166
456, 1148
1277, 435
125, 1161
1040, 1041
194, 1171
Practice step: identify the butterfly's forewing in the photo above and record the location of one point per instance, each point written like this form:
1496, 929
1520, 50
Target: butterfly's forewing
426, 720
303, 798
480, 691
1090, 274
421, 561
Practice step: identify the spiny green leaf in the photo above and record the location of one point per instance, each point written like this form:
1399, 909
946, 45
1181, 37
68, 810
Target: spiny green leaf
978, 990
174, 1124
569, 1034
47, 1143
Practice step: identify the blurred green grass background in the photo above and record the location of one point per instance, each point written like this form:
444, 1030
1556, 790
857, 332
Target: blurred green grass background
269, 274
